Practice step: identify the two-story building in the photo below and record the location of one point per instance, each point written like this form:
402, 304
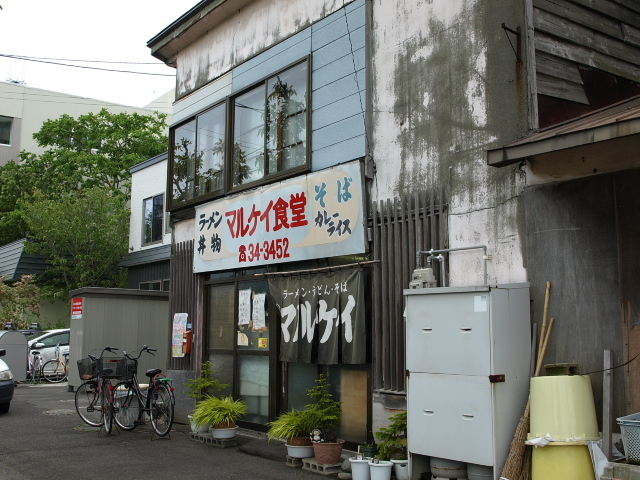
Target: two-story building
318, 145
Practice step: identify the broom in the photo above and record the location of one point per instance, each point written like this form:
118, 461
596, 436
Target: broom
513, 465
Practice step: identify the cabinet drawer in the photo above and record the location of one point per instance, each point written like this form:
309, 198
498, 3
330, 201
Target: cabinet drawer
450, 416
449, 333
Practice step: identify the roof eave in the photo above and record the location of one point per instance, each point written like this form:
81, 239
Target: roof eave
508, 155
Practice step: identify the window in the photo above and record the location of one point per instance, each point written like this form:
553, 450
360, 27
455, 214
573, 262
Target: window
5, 130
270, 127
266, 138
198, 149
153, 211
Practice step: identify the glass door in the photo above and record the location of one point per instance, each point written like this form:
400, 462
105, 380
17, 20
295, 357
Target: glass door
240, 321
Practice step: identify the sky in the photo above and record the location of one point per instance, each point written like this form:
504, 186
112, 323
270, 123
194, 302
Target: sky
114, 31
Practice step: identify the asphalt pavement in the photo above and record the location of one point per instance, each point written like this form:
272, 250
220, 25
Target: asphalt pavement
43, 438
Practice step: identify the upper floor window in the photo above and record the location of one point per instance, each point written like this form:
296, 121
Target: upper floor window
5, 130
153, 211
267, 138
198, 149
270, 127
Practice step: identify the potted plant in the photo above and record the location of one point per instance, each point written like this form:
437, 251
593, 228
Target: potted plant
325, 416
201, 387
221, 414
392, 444
293, 426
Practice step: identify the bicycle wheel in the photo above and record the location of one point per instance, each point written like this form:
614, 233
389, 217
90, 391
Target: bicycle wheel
54, 371
107, 407
162, 410
88, 404
127, 406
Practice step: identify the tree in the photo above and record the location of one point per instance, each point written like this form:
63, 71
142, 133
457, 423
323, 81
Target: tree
93, 150
19, 302
85, 235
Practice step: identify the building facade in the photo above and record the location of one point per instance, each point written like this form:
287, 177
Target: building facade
24, 109
283, 105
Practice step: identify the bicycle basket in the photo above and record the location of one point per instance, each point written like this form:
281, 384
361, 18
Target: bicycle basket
87, 369
126, 369
108, 367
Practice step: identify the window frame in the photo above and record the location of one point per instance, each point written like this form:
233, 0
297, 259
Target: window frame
272, 177
144, 217
229, 103
11, 124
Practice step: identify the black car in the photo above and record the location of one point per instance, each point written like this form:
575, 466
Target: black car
6, 384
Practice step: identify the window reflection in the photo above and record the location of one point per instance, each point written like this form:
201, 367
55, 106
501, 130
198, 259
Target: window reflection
184, 162
248, 138
210, 162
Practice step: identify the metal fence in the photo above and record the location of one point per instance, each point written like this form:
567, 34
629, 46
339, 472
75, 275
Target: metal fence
401, 227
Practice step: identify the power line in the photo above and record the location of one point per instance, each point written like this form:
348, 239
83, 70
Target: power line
83, 66
25, 57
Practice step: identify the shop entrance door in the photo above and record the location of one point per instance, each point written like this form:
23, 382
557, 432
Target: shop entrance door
241, 346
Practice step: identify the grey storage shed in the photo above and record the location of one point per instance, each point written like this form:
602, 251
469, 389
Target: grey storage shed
121, 318
15, 343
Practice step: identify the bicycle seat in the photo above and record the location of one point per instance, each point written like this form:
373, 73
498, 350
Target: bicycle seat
153, 372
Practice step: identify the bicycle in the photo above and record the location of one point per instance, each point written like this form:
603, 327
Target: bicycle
158, 403
56, 370
94, 398
35, 366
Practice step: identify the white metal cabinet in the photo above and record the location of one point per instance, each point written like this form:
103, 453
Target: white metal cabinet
468, 356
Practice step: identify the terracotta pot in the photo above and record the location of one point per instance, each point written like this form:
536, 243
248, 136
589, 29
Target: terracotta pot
299, 441
328, 453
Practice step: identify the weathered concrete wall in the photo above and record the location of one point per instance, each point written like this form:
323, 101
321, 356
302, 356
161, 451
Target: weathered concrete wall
240, 37
446, 87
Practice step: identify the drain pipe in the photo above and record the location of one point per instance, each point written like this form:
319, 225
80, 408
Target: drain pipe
440, 258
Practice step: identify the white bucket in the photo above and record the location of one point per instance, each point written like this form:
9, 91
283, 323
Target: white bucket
359, 469
401, 469
380, 471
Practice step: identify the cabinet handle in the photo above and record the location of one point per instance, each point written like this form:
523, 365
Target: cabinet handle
427, 330
466, 329
428, 412
467, 416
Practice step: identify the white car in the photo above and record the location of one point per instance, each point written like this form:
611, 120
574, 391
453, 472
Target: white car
6, 385
46, 341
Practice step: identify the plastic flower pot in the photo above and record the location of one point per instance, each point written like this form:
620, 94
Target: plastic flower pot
359, 469
380, 471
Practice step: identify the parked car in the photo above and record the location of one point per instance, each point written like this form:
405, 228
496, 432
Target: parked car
6, 384
45, 342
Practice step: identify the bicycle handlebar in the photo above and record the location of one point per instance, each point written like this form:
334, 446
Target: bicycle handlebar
143, 349
105, 349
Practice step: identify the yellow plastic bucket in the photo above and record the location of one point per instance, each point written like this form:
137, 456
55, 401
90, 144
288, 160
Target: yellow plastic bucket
563, 407
562, 461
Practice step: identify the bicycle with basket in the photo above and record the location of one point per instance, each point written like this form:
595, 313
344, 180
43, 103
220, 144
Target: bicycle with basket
132, 404
95, 397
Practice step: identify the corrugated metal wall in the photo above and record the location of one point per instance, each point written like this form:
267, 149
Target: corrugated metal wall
183, 295
401, 227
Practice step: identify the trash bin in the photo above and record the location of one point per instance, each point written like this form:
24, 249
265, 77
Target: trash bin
15, 343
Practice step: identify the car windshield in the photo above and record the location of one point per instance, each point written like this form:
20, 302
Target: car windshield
36, 335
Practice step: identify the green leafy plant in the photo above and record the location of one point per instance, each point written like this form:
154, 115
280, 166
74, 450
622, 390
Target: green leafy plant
393, 438
19, 302
325, 413
221, 412
292, 424
203, 386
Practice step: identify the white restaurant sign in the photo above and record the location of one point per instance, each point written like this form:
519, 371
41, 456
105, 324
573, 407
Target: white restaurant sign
314, 216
